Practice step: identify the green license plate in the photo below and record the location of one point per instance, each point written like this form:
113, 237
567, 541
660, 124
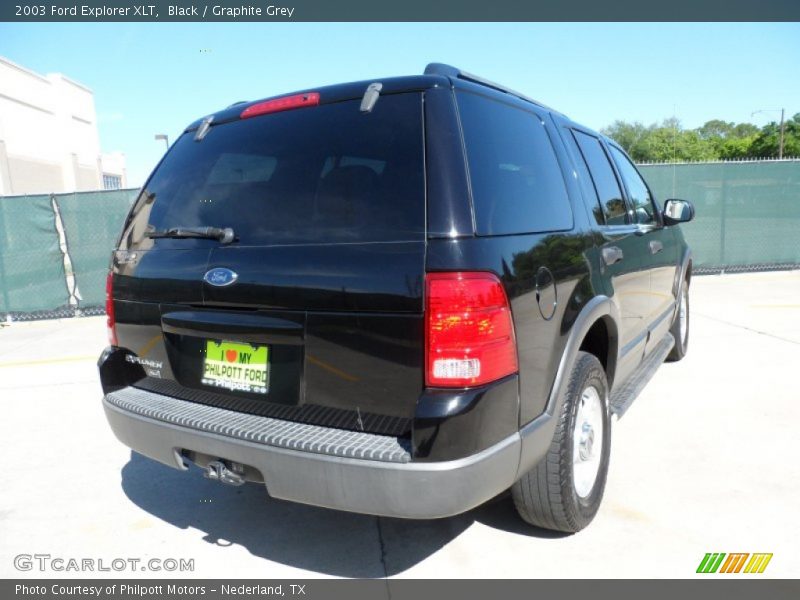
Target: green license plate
236, 366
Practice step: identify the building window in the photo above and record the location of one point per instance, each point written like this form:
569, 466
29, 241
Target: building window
112, 182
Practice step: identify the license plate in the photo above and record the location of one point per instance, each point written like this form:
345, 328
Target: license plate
236, 366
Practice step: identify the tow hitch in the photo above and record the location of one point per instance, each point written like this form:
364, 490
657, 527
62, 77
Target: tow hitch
216, 470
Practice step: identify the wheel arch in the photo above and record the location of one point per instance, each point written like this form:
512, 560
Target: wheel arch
538, 433
683, 277
602, 340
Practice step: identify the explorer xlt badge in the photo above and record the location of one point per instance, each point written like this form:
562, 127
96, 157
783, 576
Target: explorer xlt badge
450, 289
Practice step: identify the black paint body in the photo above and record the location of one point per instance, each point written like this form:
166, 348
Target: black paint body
345, 322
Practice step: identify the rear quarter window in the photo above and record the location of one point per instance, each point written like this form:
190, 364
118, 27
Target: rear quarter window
517, 184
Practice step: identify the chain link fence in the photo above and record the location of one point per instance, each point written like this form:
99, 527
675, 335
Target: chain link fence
92, 223
54, 252
55, 248
747, 212
32, 276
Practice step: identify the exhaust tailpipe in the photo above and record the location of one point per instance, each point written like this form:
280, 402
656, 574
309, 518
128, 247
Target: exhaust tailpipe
216, 470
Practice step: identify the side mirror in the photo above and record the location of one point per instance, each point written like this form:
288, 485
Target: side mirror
677, 211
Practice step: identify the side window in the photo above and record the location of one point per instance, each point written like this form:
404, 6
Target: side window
637, 188
585, 178
605, 182
517, 184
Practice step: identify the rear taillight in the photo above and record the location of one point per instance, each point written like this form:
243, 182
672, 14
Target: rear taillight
111, 322
279, 104
469, 333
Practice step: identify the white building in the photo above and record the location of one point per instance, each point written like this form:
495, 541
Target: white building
48, 136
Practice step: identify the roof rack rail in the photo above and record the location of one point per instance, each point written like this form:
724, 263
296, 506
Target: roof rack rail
450, 71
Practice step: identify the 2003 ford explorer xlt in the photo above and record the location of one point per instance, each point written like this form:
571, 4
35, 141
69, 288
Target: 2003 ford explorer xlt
398, 297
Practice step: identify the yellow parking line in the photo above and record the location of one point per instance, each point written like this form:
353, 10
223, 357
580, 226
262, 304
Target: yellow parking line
775, 306
46, 361
151, 343
331, 368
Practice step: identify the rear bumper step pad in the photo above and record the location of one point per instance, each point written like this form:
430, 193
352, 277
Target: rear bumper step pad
311, 464
262, 430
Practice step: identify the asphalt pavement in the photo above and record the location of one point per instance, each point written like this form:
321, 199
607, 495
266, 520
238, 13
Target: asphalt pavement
706, 460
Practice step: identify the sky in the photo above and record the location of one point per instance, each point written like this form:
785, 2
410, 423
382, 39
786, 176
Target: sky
158, 78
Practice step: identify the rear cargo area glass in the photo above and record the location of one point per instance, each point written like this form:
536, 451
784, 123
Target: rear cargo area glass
517, 184
323, 174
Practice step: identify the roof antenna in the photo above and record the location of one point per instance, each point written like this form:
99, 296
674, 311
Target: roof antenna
371, 97
205, 126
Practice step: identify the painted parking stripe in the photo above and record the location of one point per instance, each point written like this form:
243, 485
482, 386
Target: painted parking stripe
46, 361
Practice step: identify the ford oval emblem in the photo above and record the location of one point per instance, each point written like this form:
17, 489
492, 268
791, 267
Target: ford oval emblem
220, 277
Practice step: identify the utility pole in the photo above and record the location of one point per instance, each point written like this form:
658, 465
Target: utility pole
782, 127
165, 138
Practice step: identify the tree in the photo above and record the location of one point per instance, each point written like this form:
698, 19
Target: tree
745, 130
715, 139
766, 143
730, 140
735, 147
630, 136
669, 142
715, 129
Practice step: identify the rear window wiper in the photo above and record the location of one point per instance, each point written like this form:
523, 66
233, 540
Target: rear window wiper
223, 234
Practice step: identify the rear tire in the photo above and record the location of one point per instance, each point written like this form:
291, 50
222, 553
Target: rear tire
680, 327
563, 492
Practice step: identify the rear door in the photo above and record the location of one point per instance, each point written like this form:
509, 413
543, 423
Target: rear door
328, 208
621, 249
660, 252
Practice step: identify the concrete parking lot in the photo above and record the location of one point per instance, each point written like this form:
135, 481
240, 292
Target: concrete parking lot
706, 460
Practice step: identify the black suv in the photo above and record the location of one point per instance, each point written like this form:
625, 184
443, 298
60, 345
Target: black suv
399, 297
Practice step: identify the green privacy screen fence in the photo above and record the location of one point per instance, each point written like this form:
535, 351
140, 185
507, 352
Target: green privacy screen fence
32, 274
54, 249
92, 224
747, 212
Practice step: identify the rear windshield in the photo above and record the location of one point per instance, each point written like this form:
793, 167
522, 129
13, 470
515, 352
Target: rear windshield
320, 174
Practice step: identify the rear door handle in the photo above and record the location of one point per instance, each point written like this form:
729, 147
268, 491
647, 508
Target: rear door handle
612, 255
656, 247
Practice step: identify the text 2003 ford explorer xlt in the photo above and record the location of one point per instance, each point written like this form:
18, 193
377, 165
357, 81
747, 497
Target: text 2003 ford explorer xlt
399, 297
